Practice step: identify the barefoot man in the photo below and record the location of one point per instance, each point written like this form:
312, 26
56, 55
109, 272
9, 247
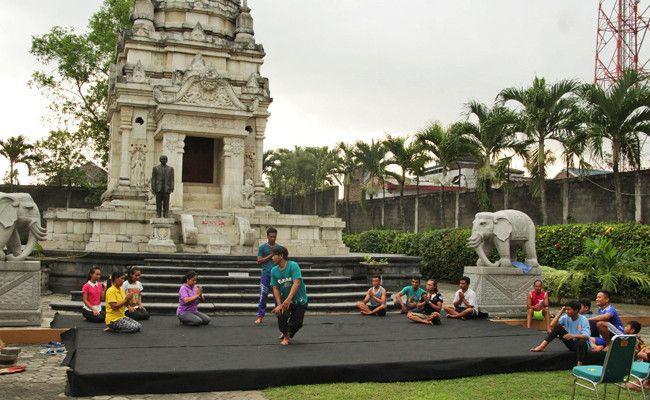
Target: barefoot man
375, 301
289, 292
464, 305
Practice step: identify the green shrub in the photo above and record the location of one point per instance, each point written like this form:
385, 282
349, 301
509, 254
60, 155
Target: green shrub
445, 254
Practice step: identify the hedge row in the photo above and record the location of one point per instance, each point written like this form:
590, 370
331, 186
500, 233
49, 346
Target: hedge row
444, 252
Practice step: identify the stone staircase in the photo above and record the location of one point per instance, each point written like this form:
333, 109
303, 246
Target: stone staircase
232, 286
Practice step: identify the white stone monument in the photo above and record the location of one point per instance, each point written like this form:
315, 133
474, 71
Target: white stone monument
500, 287
187, 84
20, 280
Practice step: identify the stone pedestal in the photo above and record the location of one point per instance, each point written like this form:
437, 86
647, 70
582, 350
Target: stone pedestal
502, 291
161, 236
20, 293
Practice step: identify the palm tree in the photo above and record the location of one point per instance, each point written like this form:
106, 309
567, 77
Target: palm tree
348, 166
402, 155
371, 157
493, 135
620, 114
18, 151
417, 168
545, 111
447, 145
575, 142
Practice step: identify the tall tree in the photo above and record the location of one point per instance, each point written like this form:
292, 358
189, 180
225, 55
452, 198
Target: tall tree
60, 162
545, 109
621, 115
448, 145
403, 155
575, 142
492, 132
76, 73
347, 169
372, 158
417, 169
17, 150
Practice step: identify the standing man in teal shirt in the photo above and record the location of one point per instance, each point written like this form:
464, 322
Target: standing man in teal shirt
290, 294
264, 260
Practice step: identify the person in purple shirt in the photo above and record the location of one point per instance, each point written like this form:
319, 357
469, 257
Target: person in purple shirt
189, 296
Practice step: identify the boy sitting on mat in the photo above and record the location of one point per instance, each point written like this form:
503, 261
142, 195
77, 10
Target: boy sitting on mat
413, 295
375, 301
464, 305
572, 329
431, 306
538, 305
607, 323
631, 328
289, 292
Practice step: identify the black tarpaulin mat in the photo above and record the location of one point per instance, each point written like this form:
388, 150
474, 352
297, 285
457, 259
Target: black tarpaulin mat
233, 354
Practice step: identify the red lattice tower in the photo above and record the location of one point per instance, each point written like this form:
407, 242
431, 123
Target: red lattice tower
622, 27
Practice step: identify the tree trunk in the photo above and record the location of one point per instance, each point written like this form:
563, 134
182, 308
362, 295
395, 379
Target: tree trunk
416, 217
401, 204
347, 207
457, 210
638, 213
506, 197
68, 197
541, 160
618, 197
565, 201
383, 201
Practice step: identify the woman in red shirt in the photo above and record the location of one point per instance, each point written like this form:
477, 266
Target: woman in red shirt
538, 301
93, 293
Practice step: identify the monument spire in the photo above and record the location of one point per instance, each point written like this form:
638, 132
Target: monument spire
244, 32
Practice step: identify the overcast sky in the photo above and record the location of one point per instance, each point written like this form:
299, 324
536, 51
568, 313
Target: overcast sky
344, 70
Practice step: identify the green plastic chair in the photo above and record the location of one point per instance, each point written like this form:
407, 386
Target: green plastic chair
640, 372
616, 368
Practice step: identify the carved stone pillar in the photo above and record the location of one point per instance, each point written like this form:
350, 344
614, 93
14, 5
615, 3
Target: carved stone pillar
233, 171
174, 148
261, 200
126, 115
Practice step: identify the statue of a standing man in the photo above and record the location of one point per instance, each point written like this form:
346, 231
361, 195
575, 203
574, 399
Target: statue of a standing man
162, 185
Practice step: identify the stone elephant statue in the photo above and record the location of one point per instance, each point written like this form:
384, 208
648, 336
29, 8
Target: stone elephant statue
19, 213
506, 230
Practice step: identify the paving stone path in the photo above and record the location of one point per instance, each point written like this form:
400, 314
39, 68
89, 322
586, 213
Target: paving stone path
45, 379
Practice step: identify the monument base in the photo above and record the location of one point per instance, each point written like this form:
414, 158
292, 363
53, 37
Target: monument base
161, 234
20, 293
502, 292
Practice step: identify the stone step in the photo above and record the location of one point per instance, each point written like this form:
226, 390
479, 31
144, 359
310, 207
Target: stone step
243, 262
205, 279
252, 298
222, 271
254, 287
170, 308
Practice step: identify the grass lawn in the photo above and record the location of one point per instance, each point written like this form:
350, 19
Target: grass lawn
516, 386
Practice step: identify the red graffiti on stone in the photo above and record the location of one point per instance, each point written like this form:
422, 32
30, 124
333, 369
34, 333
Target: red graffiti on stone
213, 222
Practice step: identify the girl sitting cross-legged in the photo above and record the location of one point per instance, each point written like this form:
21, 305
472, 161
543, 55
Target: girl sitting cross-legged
189, 296
116, 302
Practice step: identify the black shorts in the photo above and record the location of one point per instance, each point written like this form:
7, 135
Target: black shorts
470, 316
381, 313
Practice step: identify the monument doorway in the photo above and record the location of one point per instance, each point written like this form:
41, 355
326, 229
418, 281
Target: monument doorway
198, 160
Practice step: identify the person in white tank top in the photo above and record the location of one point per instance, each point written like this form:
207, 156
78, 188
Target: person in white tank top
374, 303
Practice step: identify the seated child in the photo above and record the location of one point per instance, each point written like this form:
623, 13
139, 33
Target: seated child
92, 294
631, 328
607, 322
116, 301
572, 328
431, 306
413, 295
375, 301
135, 309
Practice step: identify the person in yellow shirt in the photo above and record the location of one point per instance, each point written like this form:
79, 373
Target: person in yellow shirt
116, 302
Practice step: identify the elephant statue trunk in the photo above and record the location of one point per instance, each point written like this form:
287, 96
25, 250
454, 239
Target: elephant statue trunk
19, 215
474, 241
36, 233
